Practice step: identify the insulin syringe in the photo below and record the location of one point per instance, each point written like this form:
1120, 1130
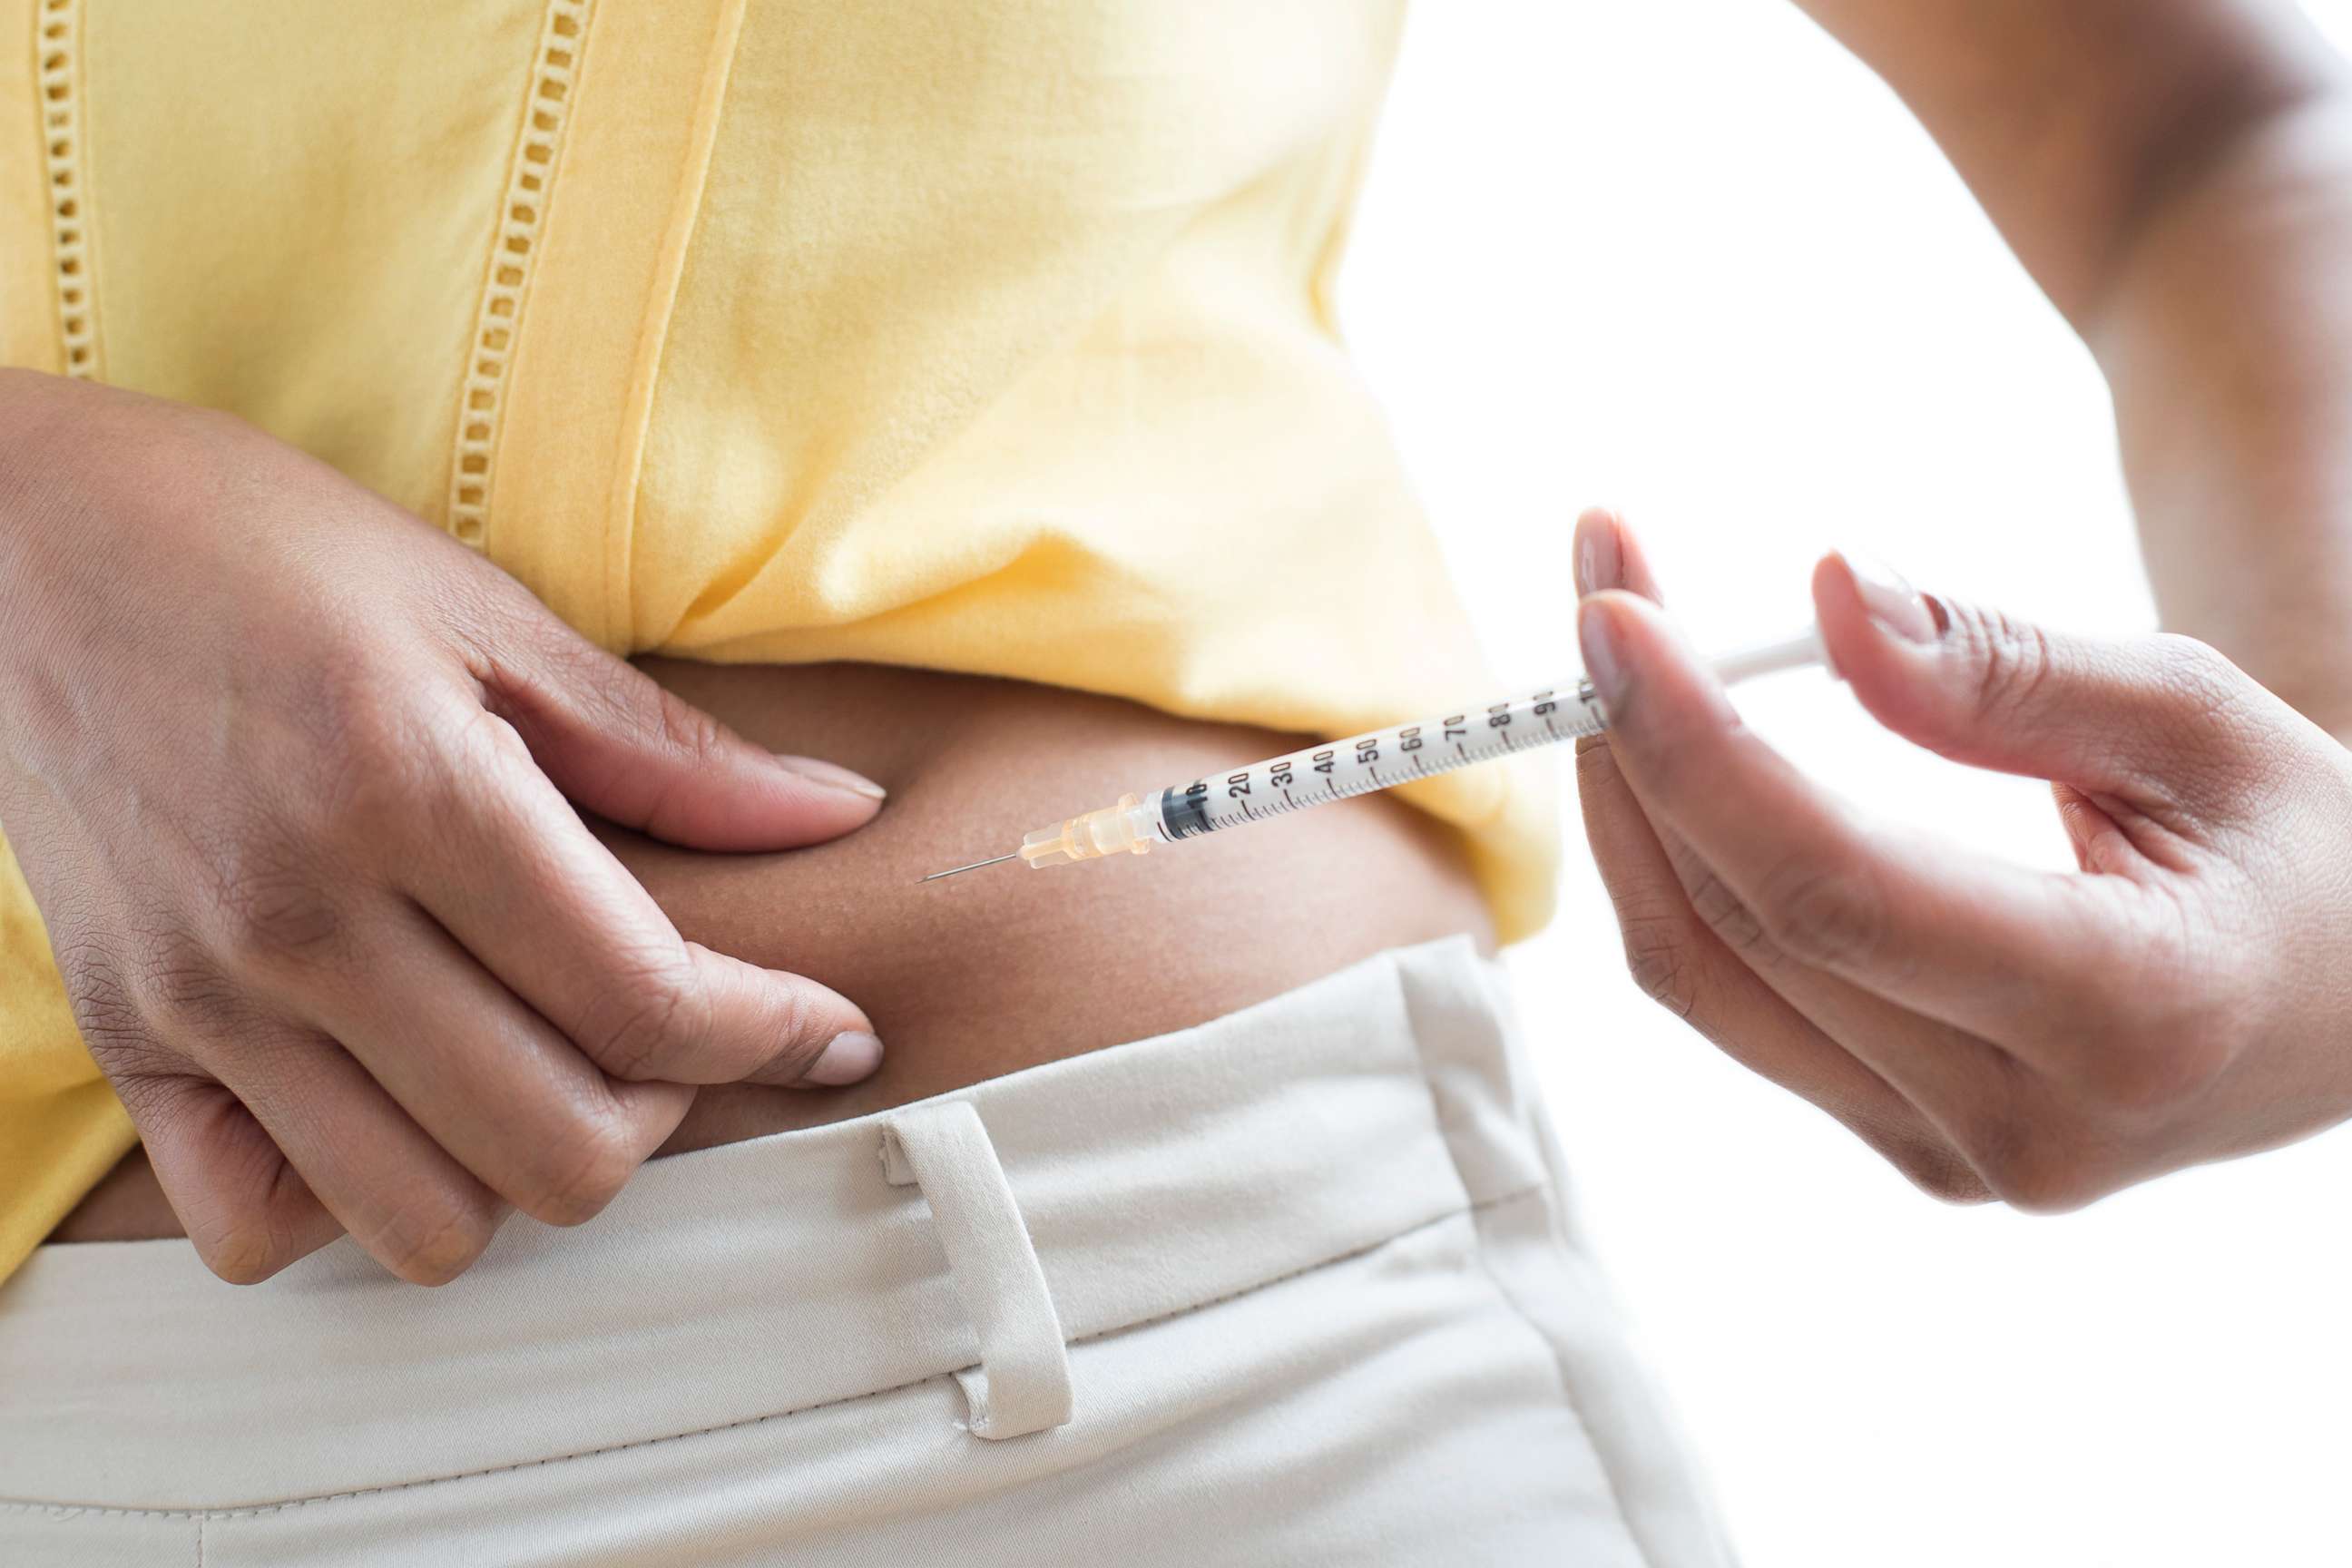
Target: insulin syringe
1318, 775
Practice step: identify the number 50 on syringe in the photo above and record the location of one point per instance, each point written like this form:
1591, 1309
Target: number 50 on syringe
1344, 769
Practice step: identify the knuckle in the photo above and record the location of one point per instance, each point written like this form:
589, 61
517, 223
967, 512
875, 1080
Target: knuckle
623, 697
1727, 914
432, 1244
475, 767
133, 1012
2213, 724
655, 1014
364, 798
1919, 1152
472, 741
484, 618
378, 791
237, 1232
2196, 669
687, 729
586, 1171
1658, 957
243, 1249
2012, 660
111, 1021
2036, 1171
358, 719
1939, 1171
2132, 1077
152, 1090
565, 660
273, 915
186, 999
1822, 915
1596, 764
798, 1029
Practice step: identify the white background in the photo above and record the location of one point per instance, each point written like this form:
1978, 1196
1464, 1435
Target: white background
1688, 257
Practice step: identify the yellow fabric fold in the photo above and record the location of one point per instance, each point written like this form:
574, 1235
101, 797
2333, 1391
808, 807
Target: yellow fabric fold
982, 335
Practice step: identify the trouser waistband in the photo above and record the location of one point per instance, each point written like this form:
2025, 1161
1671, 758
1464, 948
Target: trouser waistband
761, 1277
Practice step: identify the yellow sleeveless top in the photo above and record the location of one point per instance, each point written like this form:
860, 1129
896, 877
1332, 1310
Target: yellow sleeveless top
985, 335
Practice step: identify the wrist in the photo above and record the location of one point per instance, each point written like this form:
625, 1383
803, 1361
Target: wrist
2226, 337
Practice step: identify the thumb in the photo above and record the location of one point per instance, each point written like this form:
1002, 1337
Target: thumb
2125, 719
615, 742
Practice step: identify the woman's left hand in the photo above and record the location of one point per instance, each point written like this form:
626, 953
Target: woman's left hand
2041, 1037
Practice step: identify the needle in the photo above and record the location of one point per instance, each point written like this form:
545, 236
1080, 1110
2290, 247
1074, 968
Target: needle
975, 866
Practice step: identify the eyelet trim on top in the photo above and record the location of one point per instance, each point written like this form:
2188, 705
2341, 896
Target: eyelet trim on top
59, 48
562, 36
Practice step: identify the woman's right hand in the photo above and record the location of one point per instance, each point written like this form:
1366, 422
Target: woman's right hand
286, 769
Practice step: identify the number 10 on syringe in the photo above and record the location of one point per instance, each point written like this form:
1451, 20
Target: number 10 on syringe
1382, 760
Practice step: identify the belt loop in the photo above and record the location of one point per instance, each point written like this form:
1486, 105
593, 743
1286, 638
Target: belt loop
1023, 1385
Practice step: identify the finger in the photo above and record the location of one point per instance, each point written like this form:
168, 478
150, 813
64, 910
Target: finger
1686, 966
1709, 976
247, 1210
2099, 844
1986, 1124
2026, 959
491, 1081
1954, 1080
1609, 554
1949, 1092
2125, 720
515, 876
1679, 961
399, 1194
614, 740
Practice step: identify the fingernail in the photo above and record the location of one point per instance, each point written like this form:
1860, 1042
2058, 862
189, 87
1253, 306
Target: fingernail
848, 1057
1893, 603
1601, 665
1599, 561
832, 775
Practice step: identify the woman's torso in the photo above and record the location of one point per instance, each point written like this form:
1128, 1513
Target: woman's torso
986, 336
984, 975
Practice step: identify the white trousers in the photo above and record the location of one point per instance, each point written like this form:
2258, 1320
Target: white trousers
1293, 1287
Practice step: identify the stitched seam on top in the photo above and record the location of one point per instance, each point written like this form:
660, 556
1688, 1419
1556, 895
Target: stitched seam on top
481, 397
71, 1511
684, 222
57, 49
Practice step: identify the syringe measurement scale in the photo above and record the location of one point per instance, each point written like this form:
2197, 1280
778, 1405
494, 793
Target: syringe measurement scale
1344, 769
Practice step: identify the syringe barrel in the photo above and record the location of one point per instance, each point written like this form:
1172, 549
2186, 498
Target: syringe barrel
1318, 773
